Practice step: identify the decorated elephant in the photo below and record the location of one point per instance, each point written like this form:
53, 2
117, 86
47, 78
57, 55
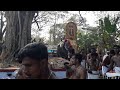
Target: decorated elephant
65, 49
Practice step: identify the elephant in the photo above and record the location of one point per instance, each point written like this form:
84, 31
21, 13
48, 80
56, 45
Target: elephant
64, 48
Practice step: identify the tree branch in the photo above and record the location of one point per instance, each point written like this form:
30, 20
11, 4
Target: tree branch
37, 24
81, 16
83, 23
4, 31
35, 17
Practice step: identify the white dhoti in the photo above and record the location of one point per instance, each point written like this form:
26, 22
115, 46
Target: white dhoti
93, 75
117, 69
108, 74
104, 69
115, 74
83, 63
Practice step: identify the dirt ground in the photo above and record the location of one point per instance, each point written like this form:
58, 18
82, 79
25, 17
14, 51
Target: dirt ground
10, 64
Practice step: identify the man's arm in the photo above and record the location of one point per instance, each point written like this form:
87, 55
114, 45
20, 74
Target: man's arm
88, 58
111, 64
69, 71
81, 74
68, 68
98, 61
104, 61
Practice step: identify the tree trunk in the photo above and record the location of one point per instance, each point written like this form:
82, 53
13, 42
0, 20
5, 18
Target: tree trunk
18, 32
1, 33
54, 38
1, 25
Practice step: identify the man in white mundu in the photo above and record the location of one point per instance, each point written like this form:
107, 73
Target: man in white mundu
115, 60
106, 62
93, 62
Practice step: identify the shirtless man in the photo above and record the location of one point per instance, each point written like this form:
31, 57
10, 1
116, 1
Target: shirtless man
115, 60
93, 60
70, 67
106, 61
34, 62
82, 52
79, 72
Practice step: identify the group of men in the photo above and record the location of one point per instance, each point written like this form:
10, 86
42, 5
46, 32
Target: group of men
95, 64
111, 61
33, 59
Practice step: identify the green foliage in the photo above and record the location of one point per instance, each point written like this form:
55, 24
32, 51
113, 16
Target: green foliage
108, 26
87, 40
105, 37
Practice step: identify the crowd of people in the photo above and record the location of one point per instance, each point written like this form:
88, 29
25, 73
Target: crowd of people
34, 63
95, 65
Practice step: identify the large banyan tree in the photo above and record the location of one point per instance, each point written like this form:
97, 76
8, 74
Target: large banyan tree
18, 32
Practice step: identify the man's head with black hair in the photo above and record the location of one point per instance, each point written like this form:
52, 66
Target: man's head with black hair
78, 58
37, 51
116, 49
112, 53
94, 56
93, 50
82, 51
34, 60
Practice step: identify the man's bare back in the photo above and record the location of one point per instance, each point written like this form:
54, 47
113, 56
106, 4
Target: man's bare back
116, 60
79, 73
